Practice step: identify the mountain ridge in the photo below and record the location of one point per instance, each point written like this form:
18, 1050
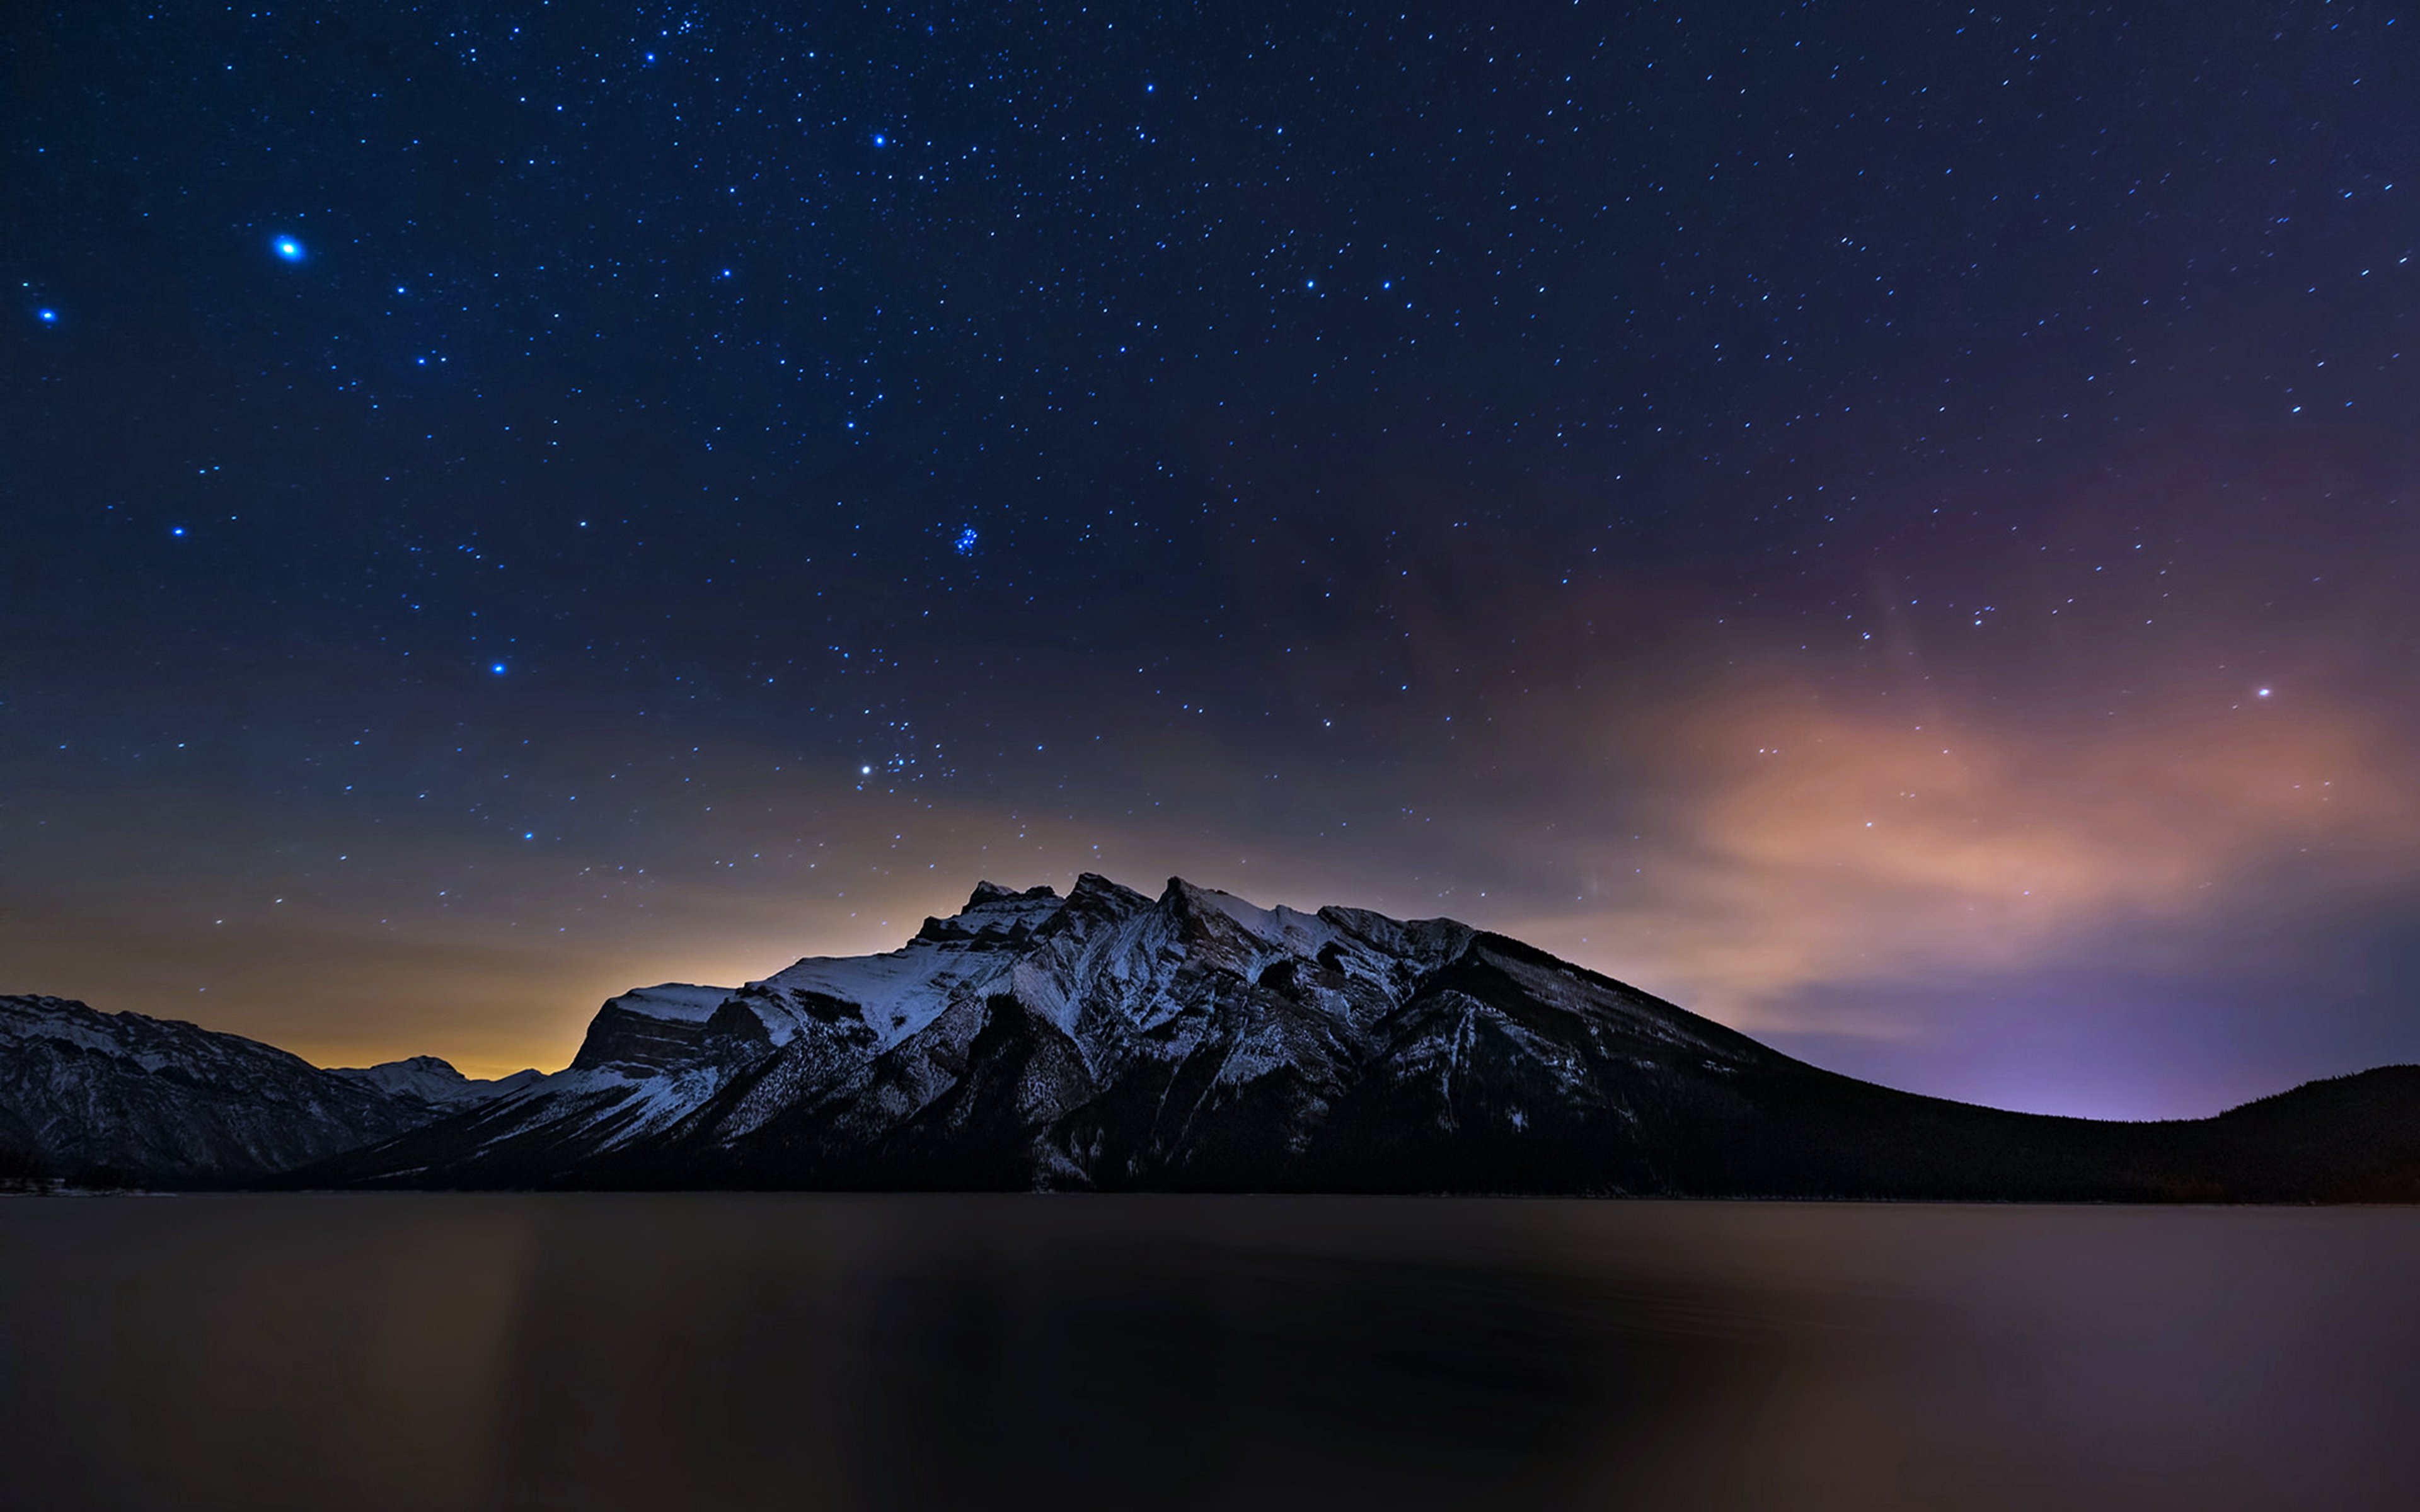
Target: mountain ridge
107, 1098
1113, 1041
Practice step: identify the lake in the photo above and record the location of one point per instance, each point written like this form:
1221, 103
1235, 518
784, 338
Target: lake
711, 1351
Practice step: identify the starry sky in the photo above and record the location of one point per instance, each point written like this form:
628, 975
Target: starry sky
1892, 527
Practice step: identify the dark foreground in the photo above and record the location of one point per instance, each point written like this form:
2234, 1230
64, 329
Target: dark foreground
696, 1350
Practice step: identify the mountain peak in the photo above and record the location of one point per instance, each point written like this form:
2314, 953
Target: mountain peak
1095, 890
992, 892
1181, 896
1205, 912
429, 1079
424, 1065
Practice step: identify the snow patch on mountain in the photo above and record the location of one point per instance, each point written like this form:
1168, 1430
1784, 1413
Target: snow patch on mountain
678, 1002
897, 994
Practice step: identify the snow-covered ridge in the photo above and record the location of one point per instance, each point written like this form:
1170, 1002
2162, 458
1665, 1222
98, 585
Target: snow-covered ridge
1090, 1039
678, 1001
1114, 1040
1036, 1030
965, 956
120, 1097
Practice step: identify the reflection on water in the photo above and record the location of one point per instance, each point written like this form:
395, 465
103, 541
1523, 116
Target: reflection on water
672, 1351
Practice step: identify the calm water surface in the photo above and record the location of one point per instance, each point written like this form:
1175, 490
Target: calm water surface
678, 1352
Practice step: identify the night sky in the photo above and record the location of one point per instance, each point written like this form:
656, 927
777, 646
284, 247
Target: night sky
1891, 526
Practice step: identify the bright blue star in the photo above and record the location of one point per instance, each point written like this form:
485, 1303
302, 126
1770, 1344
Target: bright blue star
48, 317
497, 668
288, 248
179, 530
880, 140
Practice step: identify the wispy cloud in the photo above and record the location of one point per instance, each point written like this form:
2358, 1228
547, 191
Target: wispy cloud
1818, 846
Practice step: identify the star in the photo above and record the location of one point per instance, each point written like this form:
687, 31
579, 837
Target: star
287, 249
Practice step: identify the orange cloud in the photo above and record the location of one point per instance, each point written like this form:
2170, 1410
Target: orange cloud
1825, 847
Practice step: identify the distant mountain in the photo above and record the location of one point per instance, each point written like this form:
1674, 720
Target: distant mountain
121, 1098
1111, 1040
434, 1082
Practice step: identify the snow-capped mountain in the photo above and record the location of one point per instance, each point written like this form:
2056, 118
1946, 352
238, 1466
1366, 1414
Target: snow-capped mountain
1112, 1040
122, 1098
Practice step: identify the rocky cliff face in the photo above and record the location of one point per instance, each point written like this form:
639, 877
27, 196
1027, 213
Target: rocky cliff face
121, 1098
